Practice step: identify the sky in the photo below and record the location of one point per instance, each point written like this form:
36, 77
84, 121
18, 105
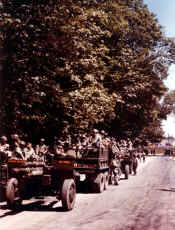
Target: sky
165, 11
165, 14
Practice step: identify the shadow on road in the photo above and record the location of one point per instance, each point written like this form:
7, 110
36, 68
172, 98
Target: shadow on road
36, 206
9, 213
166, 190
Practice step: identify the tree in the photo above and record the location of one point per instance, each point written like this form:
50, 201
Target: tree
79, 64
168, 104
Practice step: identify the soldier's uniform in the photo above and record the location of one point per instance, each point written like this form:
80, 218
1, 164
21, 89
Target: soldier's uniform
135, 164
97, 140
4, 146
41, 149
17, 151
29, 152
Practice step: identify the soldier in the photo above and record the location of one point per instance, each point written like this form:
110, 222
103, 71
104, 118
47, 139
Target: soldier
57, 148
22, 146
129, 144
15, 138
17, 151
114, 146
97, 140
41, 149
114, 170
135, 164
106, 140
4, 146
29, 152
84, 141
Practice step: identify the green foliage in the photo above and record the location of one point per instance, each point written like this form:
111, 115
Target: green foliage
168, 104
80, 64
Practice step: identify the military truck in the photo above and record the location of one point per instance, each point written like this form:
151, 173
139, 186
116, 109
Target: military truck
93, 168
24, 179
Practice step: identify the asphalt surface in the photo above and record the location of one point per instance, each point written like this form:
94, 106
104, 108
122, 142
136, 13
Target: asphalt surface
144, 202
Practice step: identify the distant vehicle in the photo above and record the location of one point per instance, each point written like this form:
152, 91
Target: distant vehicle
168, 150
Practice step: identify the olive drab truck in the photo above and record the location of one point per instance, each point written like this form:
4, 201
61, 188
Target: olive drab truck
93, 168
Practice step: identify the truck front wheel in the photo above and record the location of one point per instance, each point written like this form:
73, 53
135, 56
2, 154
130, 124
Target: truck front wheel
126, 171
106, 180
99, 184
12, 193
68, 194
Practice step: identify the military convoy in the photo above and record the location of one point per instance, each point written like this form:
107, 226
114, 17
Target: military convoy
22, 179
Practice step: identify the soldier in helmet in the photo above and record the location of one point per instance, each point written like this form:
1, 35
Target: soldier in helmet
30, 152
96, 140
14, 139
41, 149
4, 146
17, 151
59, 148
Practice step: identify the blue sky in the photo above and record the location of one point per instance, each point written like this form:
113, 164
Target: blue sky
165, 11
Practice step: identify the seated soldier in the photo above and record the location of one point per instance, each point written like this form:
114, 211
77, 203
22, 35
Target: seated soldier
84, 140
30, 152
41, 149
22, 146
4, 146
17, 151
96, 140
58, 149
14, 138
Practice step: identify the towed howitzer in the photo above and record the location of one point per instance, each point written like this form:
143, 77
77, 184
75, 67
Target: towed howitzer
23, 179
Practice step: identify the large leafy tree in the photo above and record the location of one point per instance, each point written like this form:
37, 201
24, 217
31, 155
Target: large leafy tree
81, 64
142, 61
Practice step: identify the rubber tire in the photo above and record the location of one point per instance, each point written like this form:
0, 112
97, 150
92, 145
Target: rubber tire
112, 179
116, 180
100, 183
12, 201
126, 171
106, 180
68, 194
135, 170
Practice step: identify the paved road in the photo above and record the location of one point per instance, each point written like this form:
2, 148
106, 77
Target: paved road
144, 202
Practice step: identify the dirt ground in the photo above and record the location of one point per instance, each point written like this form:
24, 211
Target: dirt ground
144, 202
